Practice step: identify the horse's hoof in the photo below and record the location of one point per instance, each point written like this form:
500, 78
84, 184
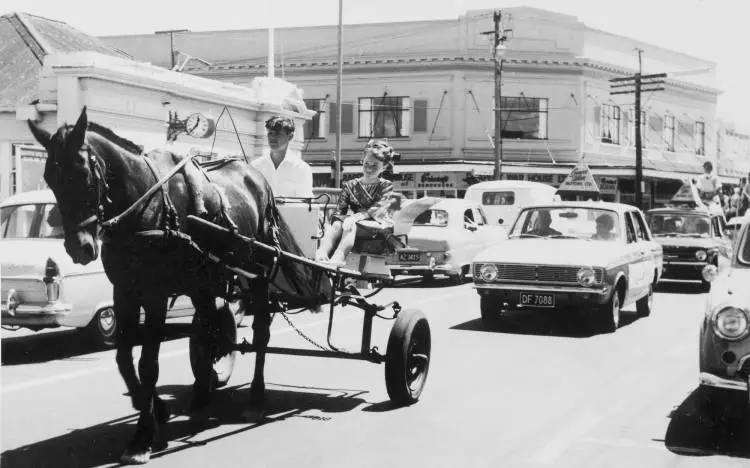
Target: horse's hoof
161, 411
136, 457
254, 414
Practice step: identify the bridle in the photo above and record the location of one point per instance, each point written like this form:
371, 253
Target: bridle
98, 185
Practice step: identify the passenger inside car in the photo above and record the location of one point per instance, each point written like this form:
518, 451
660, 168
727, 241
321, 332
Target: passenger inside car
604, 225
702, 227
542, 225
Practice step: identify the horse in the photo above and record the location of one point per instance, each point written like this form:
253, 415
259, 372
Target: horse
146, 251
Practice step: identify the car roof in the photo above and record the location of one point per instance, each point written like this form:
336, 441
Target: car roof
683, 210
509, 184
738, 220
29, 198
619, 207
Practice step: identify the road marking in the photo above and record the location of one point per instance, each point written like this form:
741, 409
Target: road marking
178, 352
560, 444
626, 444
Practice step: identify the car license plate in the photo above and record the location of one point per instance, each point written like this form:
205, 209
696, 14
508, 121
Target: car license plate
537, 300
409, 256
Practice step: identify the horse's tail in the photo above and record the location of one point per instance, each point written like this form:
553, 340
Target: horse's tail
300, 284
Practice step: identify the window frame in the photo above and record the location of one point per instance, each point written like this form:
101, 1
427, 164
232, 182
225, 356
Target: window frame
319, 121
668, 132
506, 114
367, 107
611, 119
700, 137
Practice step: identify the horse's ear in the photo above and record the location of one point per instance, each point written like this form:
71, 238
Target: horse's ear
78, 134
41, 135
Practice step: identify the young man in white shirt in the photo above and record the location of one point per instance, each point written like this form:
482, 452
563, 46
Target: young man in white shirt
289, 176
709, 184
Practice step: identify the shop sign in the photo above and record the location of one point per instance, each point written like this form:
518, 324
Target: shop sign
607, 184
580, 179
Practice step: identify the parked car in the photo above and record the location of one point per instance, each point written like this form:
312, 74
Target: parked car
733, 226
725, 332
692, 237
593, 256
444, 239
41, 287
503, 199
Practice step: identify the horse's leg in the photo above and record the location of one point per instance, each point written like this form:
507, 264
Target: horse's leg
126, 317
205, 311
139, 449
261, 337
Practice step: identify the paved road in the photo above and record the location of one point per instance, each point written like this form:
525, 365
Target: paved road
540, 392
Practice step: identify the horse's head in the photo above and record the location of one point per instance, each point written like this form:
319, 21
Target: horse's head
73, 173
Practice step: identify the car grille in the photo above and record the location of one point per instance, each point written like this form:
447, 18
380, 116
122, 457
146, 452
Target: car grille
679, 253
547, 274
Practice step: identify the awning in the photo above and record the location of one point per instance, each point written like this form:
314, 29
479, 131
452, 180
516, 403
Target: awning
478, 168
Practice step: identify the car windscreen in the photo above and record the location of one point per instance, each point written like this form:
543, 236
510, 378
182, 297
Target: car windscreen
32, 221
435, 217
679, 224
567, 222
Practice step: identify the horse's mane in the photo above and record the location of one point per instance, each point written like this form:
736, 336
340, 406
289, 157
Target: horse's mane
105, 132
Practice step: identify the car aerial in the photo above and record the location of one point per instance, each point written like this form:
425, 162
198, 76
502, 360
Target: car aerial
725, 332
444, 238
41, 287
593, 256
692, 236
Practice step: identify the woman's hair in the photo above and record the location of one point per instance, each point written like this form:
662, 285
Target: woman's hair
280, 124
380, 149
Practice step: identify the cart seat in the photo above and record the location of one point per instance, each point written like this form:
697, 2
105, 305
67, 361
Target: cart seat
379, 244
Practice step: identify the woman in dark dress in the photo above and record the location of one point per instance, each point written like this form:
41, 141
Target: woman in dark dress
362, 211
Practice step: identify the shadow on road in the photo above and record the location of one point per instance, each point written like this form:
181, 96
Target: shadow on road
711, 422
103, 443
541, 324
64, 344
679, 288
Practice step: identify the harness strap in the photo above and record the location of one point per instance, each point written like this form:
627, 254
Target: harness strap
114, 221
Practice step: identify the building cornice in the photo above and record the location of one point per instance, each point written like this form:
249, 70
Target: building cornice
352, 65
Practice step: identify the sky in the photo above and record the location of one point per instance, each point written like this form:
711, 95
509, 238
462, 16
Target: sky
716, 30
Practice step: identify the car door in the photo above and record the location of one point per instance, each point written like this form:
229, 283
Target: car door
654, 255
723, 241
635, 256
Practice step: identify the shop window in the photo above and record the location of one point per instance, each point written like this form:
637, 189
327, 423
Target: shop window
498, 198
524, 118
669, 129
384, 117
347, 120
610, 124
700, 138
316, 128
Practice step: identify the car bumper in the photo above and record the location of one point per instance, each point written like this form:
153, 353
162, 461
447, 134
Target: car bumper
565, 296
711, 380
423, 269
35, 315
691, 270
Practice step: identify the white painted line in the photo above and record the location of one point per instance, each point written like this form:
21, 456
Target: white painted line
178, 352
626, 444
562, 442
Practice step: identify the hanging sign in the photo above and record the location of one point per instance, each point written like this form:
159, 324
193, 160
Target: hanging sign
579, 180
688, 194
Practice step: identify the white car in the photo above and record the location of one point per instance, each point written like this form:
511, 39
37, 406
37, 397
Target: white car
40, 286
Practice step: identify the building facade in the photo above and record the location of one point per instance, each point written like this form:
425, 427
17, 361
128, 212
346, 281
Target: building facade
134, 99
428, 86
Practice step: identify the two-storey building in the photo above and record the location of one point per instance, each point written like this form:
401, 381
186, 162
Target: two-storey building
429, 87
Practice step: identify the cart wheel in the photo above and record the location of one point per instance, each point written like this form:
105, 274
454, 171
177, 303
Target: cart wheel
212, 343
407, 359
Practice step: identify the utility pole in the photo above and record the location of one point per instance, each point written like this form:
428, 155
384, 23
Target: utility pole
171, 33
339, 85
638, 81
498, 52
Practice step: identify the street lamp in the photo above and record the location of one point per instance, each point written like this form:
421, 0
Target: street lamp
500, 51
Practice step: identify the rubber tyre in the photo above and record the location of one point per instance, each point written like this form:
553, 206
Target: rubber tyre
206, 344
645, 305
102, 329
407, 359
609, 317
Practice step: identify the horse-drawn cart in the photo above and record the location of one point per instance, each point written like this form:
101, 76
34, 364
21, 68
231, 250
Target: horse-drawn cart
407, 355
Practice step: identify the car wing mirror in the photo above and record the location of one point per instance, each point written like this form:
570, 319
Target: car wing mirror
470, 226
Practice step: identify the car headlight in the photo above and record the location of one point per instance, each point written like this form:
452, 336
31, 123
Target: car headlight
709, 273
488, 272
731, 323
701, 255
586, 277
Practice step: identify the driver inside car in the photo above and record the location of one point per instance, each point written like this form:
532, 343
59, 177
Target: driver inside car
604, 225
542, 225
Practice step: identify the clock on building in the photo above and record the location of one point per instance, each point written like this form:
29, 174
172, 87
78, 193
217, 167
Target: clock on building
199, 126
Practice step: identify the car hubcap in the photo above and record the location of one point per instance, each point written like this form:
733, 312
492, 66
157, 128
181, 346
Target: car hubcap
107, 320
616, 310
